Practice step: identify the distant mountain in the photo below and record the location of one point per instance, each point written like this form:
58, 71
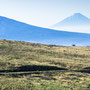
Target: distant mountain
14, 30
76, 22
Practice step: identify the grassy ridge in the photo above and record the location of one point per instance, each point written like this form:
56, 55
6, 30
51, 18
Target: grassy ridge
26, 66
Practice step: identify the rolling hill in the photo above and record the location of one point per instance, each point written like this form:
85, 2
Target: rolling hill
31, 66
14, 30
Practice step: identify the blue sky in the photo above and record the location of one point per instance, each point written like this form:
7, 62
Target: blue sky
43, 13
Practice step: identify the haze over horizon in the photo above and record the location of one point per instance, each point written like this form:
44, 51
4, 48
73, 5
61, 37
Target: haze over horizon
13, 30
75, 23
43, 13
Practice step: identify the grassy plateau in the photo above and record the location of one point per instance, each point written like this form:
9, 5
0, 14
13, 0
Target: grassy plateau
30, 66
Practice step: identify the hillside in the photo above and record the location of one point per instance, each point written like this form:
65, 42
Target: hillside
14, 30
28, 66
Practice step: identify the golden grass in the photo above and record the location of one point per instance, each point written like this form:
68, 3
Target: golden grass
58, 67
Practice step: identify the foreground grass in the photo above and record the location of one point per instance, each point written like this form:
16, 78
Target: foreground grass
29, 66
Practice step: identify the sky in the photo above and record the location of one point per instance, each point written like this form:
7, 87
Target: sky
43, 13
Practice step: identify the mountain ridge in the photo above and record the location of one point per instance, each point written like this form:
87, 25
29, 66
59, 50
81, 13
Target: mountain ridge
15, 30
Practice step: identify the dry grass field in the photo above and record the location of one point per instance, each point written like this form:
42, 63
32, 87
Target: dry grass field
30, 66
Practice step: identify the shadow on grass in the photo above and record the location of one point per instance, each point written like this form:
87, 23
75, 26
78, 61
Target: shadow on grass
85, 70
28, 70
38, 68
33, 68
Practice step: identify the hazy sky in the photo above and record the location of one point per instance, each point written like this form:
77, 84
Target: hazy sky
43, 13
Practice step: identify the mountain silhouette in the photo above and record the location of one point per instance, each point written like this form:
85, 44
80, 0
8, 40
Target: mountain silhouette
14, 30
77, 21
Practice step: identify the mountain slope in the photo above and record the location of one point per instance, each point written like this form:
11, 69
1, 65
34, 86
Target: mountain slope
76, 22
14, 30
